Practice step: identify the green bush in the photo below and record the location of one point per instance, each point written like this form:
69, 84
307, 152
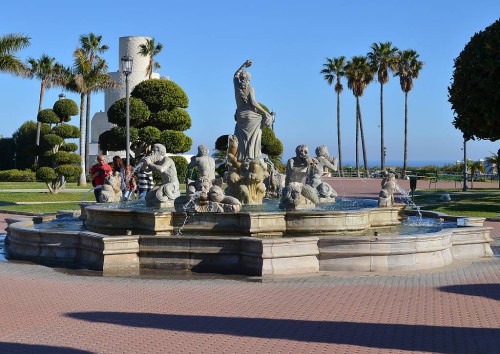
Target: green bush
139, 112
150, 133
175, 142
46, 174
176, 119
66, 131
52, 140
69, 171
181, 166
115, 138
160, 94
17, 176
47, 116
221, 142
70, 147
65, 108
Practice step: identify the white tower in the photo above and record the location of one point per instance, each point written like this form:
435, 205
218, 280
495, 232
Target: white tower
128, 46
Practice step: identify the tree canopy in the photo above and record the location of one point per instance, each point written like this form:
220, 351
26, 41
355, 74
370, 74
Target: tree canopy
475, 90
157, 115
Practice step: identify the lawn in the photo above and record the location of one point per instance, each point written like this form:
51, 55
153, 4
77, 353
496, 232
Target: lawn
482, 203
38, 185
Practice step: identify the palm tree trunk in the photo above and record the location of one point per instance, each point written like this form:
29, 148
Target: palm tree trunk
150, 67
87, 134
382, 145
357, 140
365, 161
82, 181
39, 124
339, 140
405, 160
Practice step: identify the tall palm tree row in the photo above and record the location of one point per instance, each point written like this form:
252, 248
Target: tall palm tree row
86, 78
333, 71
49, 74
408, 68
149, 49
382, 57
9, 45
90, 47
359, 74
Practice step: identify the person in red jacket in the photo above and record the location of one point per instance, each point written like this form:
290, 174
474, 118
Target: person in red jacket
98, 173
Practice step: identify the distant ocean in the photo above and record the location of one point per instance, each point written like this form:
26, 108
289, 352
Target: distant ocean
399, 163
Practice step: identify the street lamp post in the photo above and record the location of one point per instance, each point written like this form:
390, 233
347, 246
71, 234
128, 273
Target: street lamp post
127, 70
465, 188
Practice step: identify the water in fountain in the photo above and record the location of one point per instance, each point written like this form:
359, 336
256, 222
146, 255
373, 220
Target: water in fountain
405, 196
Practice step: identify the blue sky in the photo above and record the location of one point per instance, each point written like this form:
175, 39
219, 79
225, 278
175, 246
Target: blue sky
206, 41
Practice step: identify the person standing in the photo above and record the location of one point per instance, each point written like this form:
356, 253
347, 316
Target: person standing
118, 166
145, 181
130, 183
98, 173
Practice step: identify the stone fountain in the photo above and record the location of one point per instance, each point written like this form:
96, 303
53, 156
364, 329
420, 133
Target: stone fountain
212, 229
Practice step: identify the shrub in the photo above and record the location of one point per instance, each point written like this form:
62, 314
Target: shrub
65, 108
139, 112
175, 142
47, 116
46, 174
176, 119
66, 131
160, 94
17, 176
181, 166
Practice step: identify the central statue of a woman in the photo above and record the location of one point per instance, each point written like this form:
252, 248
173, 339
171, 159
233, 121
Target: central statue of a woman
247, 169
250, 116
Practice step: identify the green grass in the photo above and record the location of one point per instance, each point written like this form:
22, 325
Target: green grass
15, 197
482, 203
41, 208
38, 185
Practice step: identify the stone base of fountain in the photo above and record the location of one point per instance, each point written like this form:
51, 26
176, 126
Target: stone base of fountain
306, 249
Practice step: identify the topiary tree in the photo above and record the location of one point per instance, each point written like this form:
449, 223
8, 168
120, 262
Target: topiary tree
25, 143
60, 162
65, 108
157, 115
47, 116
474, 92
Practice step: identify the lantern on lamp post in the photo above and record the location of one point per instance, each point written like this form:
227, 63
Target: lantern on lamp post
127, 62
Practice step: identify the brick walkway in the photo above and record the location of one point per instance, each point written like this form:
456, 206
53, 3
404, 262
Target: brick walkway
453, 309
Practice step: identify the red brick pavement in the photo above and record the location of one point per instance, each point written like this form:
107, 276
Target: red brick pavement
448, 310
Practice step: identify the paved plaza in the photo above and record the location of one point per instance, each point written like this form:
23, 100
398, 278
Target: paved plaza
454, 309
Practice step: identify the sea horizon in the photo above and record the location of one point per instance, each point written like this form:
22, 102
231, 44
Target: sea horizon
399, 163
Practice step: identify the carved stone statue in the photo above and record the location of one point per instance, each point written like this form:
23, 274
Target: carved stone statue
111, 189
300, 194
315, 174
296, 167
208, 200
389, 187
247, 169
206, 169
250, 116
163, 194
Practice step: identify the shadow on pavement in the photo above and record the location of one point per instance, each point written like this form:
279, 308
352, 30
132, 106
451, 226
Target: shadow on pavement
437, 339
491, 291
13, 348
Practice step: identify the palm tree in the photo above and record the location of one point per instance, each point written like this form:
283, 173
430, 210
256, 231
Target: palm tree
149, 49
49, 74
334, 70
475, 167
359, 74
86, 79
408, 68
9, 44
494, 161
90, 46
383, 59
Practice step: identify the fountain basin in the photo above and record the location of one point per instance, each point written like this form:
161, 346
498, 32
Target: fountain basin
119, 221
239, 254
